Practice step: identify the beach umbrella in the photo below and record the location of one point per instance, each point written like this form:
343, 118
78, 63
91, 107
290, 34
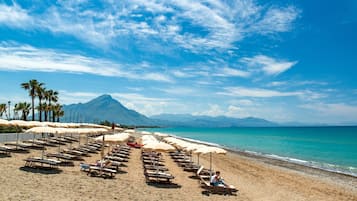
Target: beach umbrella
145, 133
112, 139
4, 122
210, 150
129, 131
42, 130
159, 146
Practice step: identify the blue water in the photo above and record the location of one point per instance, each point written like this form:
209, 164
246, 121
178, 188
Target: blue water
332, 148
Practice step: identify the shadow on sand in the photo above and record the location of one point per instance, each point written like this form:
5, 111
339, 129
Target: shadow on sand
5, 155
163, 185
41, 170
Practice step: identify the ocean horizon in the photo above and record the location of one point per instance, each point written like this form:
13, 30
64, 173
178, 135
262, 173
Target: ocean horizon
332, 148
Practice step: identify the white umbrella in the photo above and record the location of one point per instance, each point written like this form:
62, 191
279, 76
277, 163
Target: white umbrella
116, 138
42, 130
210, 150
4, 122
159, 146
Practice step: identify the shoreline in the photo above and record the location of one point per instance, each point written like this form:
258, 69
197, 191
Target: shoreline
279, 161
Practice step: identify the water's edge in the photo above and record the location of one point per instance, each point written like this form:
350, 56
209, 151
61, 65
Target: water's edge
286, 161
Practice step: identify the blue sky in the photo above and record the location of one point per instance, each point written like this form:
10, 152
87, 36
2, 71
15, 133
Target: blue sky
279, 60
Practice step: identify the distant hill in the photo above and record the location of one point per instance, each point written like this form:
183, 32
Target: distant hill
106, 108
208, 121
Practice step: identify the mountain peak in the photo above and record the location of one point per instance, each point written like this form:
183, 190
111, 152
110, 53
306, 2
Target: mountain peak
103, 108
104, 97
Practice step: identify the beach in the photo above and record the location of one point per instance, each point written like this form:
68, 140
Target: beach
254, 177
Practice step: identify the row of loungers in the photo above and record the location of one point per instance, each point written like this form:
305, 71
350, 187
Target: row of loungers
39, 144
184, 160
63, 157
108, 167
154, 168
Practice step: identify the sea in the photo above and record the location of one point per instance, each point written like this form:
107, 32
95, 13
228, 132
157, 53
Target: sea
329, 148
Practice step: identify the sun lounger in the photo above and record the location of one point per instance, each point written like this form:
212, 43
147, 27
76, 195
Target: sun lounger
62, 156
115, 158
38, 162
74, 152
220, 189
73, 139
4, 150
150, 162
154, 167
120, 155
157, 176
101, 171
15, 149
191, 167
203, 173
153, 159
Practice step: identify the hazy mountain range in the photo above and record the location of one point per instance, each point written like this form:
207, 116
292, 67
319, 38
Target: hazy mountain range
106, 108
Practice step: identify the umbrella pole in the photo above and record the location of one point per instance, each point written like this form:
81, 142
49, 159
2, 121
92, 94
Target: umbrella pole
103, 147
210, 162
198, 159
70, 144
17, 138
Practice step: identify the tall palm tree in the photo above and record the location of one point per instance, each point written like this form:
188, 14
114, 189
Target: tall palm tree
2, 109
31, 87
40, 92
52, 98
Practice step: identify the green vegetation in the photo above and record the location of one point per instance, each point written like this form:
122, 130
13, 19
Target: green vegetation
9, 129
47, 104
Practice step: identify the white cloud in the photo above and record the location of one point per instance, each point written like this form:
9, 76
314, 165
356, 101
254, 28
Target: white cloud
147, 105
14, 16
268, 65
15, 57
277, 83
276, 20
231, 72
256, 92
222, 22
333, 112
214, 110
69, 97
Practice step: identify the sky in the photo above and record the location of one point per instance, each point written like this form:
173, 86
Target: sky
283, 60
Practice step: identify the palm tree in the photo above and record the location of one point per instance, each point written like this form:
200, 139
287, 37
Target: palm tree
31, 86
40, 92
16, 112
24, 108
57, 112
52, 97
2, 109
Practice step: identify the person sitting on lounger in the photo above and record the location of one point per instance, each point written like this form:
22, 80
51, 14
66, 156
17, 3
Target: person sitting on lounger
217, 180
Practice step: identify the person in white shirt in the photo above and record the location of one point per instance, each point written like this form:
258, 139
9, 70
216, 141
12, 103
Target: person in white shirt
217, 180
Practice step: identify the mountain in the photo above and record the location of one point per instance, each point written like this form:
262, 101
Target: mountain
104, 108
208, 121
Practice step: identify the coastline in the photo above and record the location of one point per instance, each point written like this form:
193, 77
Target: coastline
275, 159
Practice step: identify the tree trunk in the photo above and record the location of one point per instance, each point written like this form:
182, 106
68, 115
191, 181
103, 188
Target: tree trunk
40, 110
45, 115
53, 116
33, 108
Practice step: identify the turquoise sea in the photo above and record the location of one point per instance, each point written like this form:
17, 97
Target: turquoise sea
330, 148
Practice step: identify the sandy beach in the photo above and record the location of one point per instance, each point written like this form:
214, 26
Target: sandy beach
256, 179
